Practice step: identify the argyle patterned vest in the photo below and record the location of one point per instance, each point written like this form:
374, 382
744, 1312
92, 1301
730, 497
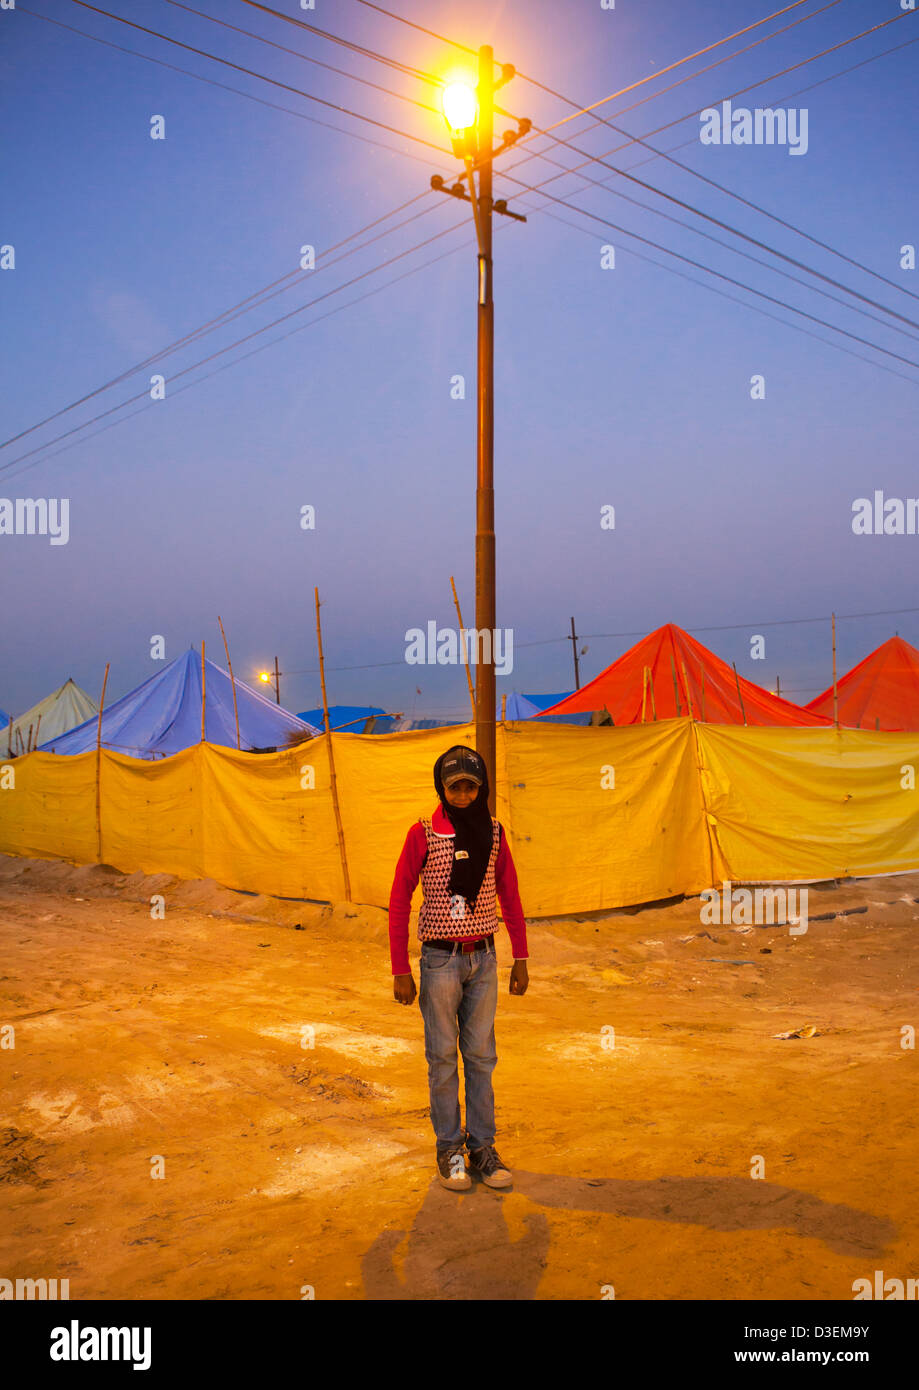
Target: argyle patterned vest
442, 917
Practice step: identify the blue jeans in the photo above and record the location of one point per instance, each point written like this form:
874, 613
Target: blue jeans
458, 996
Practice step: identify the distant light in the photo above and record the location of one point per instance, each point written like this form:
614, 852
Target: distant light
264, 676
460, 106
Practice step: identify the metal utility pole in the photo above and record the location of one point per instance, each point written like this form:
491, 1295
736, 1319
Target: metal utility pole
470, 119
573, 639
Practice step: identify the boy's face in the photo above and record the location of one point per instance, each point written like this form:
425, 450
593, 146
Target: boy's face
462, 793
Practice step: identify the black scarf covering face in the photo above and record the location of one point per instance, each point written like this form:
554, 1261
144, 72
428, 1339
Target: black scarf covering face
474, 835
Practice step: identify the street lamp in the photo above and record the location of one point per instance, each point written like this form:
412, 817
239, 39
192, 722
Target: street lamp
469, 114
460, 107
265, 678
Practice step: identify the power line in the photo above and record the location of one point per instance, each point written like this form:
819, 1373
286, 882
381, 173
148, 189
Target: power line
224, 87
412, 25
228, 315
775, 622
653, 96
641, 632
651, 76
635, 139
740, 92
737, 252
224, 316
304, 57
713, 289
261, 348
220, 352
285, 86
581, 109
718, 222
394, 63
572, 207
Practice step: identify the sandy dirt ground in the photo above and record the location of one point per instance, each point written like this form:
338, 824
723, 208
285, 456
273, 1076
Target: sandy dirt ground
252, 1049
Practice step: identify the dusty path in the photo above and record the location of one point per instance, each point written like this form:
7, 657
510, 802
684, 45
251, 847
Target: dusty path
288, 1166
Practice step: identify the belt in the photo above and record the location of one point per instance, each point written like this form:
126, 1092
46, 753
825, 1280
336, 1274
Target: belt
480, 943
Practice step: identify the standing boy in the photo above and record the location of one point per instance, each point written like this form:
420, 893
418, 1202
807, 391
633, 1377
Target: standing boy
463, 859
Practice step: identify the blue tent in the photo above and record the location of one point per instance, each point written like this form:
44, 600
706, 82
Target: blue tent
390, 724
163, 715
526, 706
352, 716
4, 719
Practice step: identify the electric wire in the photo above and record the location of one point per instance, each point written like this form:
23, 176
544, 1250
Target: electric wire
590, 159
225, 316
719, 274
304, 57
237, 343
413, 25
394, 63
223, 86
261, 348
252, 301
736, 250
285, 86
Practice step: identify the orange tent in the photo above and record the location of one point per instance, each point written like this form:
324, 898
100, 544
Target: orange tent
675, 687
881, 692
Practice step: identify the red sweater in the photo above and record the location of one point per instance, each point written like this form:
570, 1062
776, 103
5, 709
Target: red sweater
408, 872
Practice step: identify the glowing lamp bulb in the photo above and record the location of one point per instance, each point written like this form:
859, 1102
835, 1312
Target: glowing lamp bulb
264, 676
459, 106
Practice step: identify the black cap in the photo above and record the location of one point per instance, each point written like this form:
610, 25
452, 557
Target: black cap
462, 763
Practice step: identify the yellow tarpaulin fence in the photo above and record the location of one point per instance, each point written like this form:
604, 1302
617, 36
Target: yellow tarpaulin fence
597, 817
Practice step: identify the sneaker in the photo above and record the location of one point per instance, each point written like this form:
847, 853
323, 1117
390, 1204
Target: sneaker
451, 1170
487, 1163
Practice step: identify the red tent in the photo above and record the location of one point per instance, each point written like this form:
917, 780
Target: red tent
675, 687
881, 692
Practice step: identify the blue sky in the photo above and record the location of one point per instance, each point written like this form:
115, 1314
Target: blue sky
628, 387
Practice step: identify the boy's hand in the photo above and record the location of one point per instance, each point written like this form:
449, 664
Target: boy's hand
403, 988
519, 977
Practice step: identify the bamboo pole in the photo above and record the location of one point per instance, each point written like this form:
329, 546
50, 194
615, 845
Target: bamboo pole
99, 768
203, 693
101, 708
332, 778
503, 709
37, 727
232, 681
644, 691
466, 663
835, 687
651, 688
739, 696
778, 686
29, 740
703, 694
9, 739
688, 696
676, 692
